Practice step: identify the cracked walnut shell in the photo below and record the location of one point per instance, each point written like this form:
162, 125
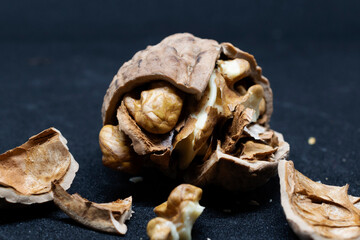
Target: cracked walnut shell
315, 210
185, 101
26, 172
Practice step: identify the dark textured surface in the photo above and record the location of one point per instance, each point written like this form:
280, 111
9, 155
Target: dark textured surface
58, 59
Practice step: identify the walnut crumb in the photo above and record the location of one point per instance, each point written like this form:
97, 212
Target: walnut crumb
311, 140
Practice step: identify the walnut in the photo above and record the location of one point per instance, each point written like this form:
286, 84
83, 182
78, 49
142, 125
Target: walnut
187, 99
315, 210
117, 153
158, 109
26, 172
177, 215
106, 217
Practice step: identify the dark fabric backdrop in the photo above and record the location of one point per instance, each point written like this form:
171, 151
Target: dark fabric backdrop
57, 59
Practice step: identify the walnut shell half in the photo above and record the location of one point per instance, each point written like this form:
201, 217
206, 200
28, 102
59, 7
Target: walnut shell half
26, 172
315, 210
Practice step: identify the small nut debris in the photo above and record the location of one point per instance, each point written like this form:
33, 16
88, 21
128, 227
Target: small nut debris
315, 210
106, 217
223, 169
177, 215
26, 171
311, 140
158, 109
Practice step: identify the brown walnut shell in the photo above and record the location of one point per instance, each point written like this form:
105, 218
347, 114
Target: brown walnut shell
105, 217
315, 210
193, 66
26, 172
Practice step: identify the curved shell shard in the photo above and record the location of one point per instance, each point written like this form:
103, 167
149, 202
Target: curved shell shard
106, 217
315, 210
26, 172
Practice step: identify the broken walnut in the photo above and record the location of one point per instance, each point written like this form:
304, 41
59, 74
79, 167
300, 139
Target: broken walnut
26, 172
184, 100
315, 210
177, 215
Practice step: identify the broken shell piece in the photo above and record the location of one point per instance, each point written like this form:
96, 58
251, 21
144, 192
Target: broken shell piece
237, 173
253, 150
106, 217
177, 215
200, 124
256, 76
26, 172
143, 143
245, 113
315, 210
242, 117
254, 131
187, 144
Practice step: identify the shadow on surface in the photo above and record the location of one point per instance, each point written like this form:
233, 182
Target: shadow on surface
12, 213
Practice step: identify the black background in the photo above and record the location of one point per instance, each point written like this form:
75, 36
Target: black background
57, 59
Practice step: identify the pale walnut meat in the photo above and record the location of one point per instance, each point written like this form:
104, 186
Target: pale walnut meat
26, 172
234, 70
177, 215
315, 210
184, 101
158, 109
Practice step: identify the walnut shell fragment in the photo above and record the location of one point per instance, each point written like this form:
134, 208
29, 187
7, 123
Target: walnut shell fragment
315, 210
178, 99
238, 172
106, 217
177, 215
26, 172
